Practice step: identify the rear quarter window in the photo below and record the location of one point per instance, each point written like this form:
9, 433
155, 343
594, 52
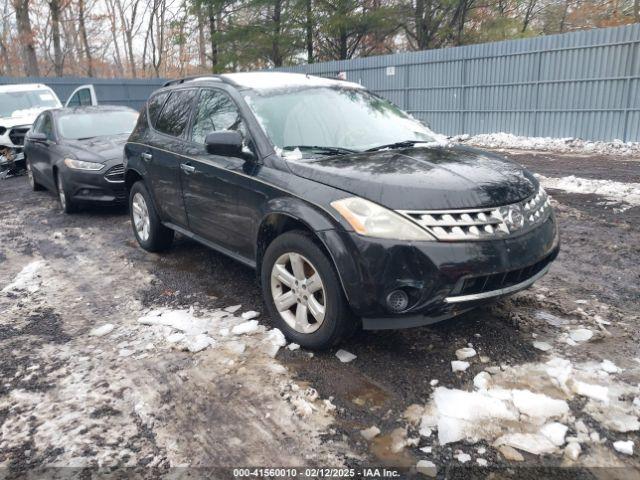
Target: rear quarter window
155, 106
174, 118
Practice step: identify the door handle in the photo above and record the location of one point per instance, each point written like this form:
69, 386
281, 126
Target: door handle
146, 157
186, 168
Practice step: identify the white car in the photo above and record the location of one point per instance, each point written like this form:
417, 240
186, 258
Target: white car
20, 104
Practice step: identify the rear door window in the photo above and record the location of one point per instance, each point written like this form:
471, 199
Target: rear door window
174, 118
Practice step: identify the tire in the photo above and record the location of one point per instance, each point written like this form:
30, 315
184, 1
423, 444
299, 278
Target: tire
66, 203
152, 235
337, 321
35, 186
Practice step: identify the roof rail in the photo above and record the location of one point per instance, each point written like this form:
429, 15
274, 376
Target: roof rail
178, 81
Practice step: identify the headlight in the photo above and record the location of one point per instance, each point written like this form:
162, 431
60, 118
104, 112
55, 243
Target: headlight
372, 220
80, 165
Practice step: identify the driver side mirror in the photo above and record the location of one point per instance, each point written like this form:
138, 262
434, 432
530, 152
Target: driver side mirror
227, 143
37, 137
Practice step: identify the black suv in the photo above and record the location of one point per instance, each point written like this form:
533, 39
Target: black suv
350, 210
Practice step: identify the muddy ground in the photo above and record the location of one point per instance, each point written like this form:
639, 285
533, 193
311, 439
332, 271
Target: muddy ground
133, 398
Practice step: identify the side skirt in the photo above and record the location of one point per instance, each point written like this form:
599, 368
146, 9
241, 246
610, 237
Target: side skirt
214, 246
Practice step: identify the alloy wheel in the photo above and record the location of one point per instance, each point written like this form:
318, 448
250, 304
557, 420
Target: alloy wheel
141, 219
32, 181
298, 292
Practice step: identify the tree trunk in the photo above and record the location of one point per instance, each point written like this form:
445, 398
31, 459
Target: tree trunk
528, 14
127, 27
202, 45
26, 38
213, 37
113, 19
421, 36
58, 59
276, 54
85, 38
5, 65
72, 50
309, 30
636, 10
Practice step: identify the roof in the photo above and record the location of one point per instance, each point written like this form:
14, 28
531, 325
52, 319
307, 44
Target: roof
23, 87
267, 80
277, 80
92, 109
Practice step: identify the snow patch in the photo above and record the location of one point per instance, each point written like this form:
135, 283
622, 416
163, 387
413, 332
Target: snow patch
345, 357
105, 329
27, 279
562, 145
464, 353
459, 365
249, 326
615, 191
625, 447
528, 442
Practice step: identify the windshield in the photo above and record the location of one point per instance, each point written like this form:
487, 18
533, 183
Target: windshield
12, 103
343, 118
98, 124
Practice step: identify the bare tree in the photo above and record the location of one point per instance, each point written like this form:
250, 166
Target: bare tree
202, 46
82, 25
58, 58
5, 66
129, 27
113, 21
26, 37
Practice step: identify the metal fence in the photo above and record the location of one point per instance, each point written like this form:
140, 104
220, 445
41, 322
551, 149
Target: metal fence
116, 91
583, 84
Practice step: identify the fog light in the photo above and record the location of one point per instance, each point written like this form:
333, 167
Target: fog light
398, 301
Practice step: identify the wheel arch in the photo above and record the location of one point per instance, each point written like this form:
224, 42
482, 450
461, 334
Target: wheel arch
284, 215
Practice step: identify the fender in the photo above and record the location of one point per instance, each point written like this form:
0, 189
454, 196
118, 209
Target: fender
324, 226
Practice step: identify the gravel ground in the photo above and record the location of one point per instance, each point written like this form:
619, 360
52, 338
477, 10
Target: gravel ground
133, 398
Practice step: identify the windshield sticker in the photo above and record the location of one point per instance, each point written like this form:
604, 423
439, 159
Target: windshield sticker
47, 97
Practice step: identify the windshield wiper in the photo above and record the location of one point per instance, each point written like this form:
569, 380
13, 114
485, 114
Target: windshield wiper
320, 149
404, 143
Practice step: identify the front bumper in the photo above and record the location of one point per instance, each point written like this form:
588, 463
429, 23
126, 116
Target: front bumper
443, 279
100, 187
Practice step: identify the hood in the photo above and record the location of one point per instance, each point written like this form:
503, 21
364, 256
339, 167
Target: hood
423, 178
22, 117
97, 149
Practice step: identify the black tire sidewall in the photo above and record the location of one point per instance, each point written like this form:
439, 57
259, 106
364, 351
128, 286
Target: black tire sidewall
336, 316
160, 237
35, 186
70, 206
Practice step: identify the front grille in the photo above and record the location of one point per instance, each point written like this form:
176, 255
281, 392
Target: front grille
498, 281
483, 223
17, 134
115, 174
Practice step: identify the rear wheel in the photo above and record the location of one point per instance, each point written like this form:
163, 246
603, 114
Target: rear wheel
303, 292
35, 186
147, 227
67, 205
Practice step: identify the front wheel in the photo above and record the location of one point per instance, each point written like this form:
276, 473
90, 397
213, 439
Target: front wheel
147, 227
67, 205
302, 292
35, 186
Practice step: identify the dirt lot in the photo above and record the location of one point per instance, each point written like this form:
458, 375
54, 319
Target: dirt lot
132, 394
